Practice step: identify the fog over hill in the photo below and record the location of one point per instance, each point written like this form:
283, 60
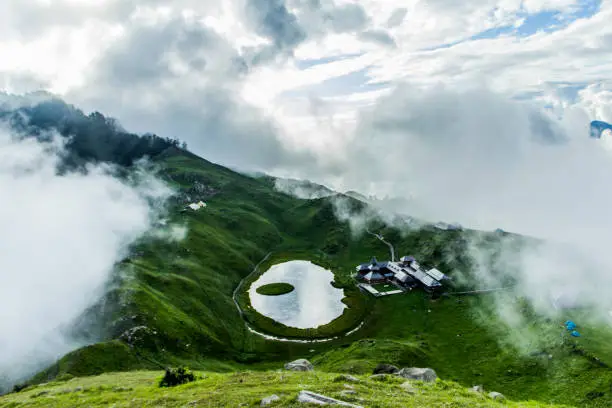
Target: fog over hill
62, 232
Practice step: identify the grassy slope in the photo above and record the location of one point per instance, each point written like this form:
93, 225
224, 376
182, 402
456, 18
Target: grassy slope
183, 292
245, 389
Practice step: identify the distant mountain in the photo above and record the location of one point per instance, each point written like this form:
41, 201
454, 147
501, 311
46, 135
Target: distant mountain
597, 128
93, 137
302, 188
358, 196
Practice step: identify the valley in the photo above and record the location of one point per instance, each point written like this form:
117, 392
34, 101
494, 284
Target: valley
187, 303
181, 296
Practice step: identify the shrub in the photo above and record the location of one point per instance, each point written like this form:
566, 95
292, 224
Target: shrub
20, 387
64, 377
177, 376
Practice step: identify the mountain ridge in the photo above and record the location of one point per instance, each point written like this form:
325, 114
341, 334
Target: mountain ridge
177, 306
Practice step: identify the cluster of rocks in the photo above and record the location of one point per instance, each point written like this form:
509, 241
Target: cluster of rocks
138, 336
493, 394
413, 373
197, 190
381, 372
309, 397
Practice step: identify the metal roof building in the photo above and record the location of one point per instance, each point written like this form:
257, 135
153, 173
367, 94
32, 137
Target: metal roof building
436, 274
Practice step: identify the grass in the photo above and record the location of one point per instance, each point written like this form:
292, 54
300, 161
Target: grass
182, 294
275, 289
464, 342
247, 388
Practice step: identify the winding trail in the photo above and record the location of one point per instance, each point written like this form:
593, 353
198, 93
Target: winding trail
271, 337
382, 239
236, 291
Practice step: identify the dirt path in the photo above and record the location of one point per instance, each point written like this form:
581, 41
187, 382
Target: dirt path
271, 337
382, 239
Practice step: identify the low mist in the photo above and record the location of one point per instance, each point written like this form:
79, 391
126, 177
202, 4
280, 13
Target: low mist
60, 236
486, 161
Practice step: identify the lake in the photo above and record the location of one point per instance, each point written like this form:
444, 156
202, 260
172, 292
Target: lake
313, 303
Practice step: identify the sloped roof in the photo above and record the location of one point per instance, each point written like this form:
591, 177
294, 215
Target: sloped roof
373, 276
424, 278
436, 274
403, 277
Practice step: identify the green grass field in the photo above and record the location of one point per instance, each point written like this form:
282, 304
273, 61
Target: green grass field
247, 388
180, 295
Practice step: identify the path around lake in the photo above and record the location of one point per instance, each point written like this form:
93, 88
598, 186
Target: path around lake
271, 337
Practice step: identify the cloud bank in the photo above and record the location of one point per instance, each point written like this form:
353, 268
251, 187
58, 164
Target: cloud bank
472, 156
60, 236
278, 87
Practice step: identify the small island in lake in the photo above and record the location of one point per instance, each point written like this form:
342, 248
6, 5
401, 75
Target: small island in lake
275, 289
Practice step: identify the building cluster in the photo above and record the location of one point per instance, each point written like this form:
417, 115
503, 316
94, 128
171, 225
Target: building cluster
407, 273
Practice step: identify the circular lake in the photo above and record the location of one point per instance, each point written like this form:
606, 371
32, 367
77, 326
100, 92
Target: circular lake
313, 303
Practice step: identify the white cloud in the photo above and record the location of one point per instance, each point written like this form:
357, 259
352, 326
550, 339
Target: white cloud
440, 137
478, 158
60, 236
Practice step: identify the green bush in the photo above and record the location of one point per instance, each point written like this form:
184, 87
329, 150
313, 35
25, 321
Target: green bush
64, 377
177, 376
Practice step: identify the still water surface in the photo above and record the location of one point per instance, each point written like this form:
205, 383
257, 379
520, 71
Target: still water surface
313, 303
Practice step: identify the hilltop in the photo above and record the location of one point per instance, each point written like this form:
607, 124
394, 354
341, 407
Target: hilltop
172, 303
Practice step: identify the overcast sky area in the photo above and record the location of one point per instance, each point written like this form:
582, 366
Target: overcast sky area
316, 89
474, 111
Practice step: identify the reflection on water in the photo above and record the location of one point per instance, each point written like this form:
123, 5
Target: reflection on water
313, 303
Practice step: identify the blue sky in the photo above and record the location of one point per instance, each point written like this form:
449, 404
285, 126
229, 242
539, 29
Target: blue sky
524, 26
545, 21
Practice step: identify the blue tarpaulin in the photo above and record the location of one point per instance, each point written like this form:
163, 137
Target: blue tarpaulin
569, 325
575, 334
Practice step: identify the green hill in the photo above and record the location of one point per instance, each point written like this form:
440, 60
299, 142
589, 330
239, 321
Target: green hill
173, 303
248, 388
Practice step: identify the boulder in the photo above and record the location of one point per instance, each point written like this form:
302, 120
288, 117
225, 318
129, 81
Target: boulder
421, 374
308, 397
496, 396
477, 388
385, 369
299, 365
269, 400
